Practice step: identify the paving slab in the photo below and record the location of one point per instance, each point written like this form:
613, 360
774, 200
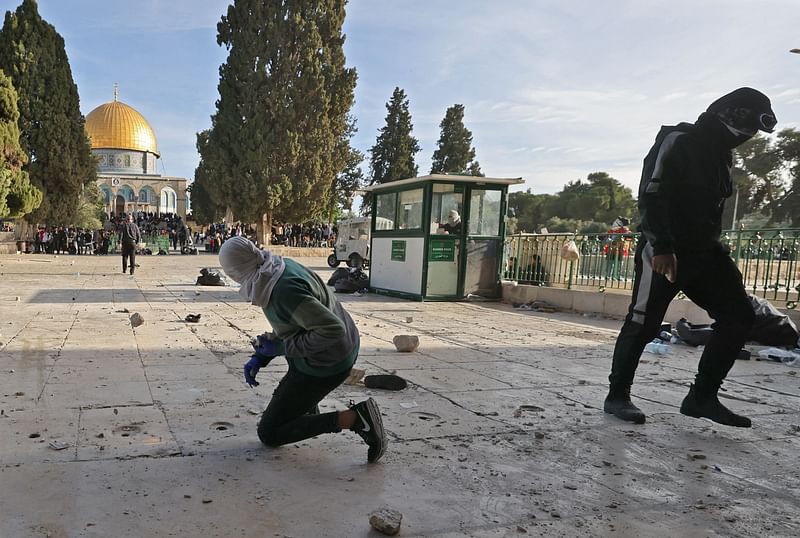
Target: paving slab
109, 430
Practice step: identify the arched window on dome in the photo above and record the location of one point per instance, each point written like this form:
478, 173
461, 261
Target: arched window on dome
127, 192
147, 195
168, 201
106, 193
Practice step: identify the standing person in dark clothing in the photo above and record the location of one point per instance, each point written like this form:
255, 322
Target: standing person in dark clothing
319, 340
685, 181
129, 235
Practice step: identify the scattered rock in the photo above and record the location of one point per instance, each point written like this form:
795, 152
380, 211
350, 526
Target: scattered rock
522, 408
206, 501
136, 320
406, 343
386, 520
355, 376
409, 319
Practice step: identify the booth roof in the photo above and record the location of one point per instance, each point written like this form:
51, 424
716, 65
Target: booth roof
475, 180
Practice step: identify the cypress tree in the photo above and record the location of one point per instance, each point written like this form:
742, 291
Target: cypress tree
455, 154
53, 135
392, 156
18, 196
349, 180
205, 197
285, 94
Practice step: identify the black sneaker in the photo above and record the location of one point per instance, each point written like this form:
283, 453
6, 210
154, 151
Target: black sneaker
369, 426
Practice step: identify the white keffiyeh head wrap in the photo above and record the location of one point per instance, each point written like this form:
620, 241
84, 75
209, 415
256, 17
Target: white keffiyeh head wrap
256, 270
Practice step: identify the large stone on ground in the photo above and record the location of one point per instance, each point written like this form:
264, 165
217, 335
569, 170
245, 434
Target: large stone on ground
406, 342
386, 521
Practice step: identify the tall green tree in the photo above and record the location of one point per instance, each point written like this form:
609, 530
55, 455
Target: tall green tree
285, 94
787, 207
206, 200
53, 135
18, 196
392, 156
454, 153
349, 180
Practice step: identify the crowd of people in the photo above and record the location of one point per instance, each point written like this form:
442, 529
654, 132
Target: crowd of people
304, 235
80, 241
173, 230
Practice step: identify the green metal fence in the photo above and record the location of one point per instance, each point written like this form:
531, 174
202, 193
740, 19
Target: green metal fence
154, 242
768, 259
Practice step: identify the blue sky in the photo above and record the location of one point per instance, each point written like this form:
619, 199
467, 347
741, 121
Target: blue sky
553, 89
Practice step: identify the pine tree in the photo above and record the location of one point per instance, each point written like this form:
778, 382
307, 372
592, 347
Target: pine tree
18, 196
60, 163
285, 94
455, 154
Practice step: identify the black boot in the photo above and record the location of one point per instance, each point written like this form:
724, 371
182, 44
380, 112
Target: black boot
618, 403
705, 404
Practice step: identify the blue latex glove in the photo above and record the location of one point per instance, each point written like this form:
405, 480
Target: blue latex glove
266, 346
252, 367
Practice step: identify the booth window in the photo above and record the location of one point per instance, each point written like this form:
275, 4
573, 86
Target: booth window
410, 210
484, 213
387, 207
444, 200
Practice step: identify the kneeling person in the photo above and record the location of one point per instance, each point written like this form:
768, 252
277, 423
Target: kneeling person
319, 340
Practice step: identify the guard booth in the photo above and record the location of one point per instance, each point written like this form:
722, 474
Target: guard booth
422, 256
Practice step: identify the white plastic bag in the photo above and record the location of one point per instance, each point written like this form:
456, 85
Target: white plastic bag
569, 251
791, 358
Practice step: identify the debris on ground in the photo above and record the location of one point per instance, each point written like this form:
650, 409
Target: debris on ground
58, 445
136, 320
386, 521
192, 318
385, 381
209, 278
406, 343
537, 306
355, 377
525, 407
474, 297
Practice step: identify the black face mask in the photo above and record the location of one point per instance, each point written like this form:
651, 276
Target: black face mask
733, 137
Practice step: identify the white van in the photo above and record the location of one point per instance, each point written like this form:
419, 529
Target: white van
352, 241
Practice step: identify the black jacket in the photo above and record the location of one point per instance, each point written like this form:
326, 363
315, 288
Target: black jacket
685, 181
129, 233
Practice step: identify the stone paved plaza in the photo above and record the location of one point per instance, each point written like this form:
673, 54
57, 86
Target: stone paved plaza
110, 431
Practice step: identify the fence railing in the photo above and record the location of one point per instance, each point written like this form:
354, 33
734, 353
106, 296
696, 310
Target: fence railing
769, 260
154, 242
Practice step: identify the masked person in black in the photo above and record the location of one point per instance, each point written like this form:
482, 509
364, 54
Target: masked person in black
685, 181
129, 235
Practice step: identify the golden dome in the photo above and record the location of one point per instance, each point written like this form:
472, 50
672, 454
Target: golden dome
116, 125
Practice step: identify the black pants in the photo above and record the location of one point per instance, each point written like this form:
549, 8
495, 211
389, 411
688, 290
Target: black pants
287, 418
713, 282
128, 251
